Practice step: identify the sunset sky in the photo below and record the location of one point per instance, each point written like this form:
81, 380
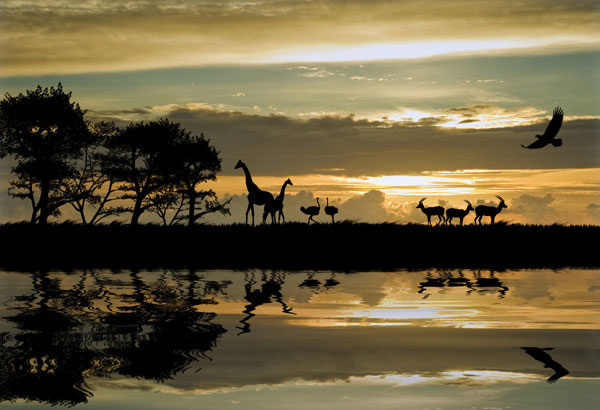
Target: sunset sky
373, 104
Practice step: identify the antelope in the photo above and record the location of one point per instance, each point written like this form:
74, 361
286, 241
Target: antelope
485, 210
458, 213
431, 210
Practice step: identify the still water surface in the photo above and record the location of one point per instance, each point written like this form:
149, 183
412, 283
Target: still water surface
300, 340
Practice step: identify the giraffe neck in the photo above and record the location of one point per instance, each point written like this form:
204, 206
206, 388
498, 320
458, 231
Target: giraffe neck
249, 183
282, 193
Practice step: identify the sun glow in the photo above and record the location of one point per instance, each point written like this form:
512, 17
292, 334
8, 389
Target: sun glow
388, 51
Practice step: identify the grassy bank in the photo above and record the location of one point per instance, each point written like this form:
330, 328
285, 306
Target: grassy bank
344, 245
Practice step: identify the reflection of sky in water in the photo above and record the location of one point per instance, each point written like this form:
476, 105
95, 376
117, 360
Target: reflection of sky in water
444, 339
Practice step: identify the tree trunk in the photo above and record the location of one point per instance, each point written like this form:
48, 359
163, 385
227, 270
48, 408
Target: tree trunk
43, 202
137, 211
192, 208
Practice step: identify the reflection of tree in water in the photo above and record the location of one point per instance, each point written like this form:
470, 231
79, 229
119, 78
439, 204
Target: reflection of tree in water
479, 283
270, 288
149, 331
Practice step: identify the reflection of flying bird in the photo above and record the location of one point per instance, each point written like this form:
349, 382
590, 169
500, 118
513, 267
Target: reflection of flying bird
551, 130
540, 355
331, 211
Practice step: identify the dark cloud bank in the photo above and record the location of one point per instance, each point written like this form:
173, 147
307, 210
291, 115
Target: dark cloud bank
284, 146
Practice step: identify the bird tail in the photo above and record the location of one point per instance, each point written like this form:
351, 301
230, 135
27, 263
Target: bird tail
303, 209
556, 142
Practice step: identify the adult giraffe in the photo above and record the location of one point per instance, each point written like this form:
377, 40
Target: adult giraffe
255, 195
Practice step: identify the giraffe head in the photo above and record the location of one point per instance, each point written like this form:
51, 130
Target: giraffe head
239, 164
289, 182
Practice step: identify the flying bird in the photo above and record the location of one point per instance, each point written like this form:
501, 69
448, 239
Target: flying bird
551, 130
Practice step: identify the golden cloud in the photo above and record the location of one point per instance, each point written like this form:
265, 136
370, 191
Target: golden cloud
40, 37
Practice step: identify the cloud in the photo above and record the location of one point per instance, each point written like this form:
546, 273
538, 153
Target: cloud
317, 74
537, 209
268, 143
368, 207
593, 210
41, 37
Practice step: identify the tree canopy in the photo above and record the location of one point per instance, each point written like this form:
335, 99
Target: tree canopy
45, 132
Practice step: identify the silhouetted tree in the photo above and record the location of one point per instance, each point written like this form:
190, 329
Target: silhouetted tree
91, 183
191, 161
140, 159
198, 162
45, 132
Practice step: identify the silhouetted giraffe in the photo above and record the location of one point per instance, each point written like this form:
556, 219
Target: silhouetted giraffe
255, 195
277, 205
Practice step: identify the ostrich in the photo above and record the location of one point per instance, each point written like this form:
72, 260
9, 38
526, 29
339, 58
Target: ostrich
331, 211
491, 211
311, 211
458, 213
431, 210
548, 137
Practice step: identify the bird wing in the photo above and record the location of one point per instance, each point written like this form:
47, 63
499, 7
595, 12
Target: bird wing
559, 372
554, 124
539, 143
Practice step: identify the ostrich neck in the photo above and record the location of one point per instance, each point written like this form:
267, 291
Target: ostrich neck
319, 205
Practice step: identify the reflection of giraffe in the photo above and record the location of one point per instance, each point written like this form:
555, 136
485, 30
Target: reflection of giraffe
270, 288
277, 205
255, 195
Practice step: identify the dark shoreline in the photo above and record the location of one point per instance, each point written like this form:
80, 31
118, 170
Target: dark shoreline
296, 246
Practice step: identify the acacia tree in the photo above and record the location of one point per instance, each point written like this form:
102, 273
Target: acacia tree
45, 132
91, 184
197, 162
140, 160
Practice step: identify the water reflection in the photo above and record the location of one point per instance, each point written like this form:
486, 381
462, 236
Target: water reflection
66, 336
540, 355
270, 289
139, 330
478, 283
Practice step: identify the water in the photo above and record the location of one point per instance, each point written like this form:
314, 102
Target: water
295, 340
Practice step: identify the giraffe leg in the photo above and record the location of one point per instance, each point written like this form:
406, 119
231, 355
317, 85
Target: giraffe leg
252, 209
248, 210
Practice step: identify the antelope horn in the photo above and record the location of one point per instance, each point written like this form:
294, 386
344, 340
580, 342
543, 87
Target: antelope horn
500, 198
468, 202
422, 199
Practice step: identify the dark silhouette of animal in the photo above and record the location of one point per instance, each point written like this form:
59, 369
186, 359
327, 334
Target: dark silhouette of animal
431, 210
331, 211
277, 205
458, 213
491, 211
269, 290
548, 137
256, 196
311, 211
540, 355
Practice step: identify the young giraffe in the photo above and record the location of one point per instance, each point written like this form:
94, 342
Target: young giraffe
255, 195
277, 204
